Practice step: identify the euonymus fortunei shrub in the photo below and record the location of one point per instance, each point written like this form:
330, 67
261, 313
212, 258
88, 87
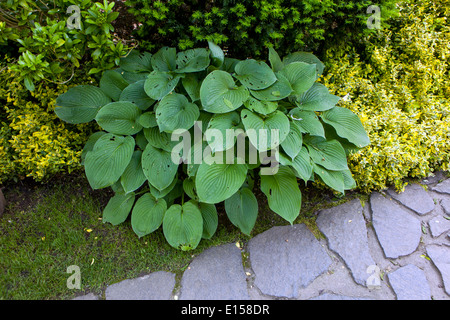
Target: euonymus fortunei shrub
152, 102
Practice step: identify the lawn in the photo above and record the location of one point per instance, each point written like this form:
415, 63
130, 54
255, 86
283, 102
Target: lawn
48, 227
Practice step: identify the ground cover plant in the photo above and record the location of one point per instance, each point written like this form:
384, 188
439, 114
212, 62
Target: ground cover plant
150, 97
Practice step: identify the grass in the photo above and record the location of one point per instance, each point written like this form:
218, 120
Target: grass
48, 227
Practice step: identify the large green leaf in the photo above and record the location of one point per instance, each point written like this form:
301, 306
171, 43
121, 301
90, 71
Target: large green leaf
158, 167
80, 104
275, 123
137, 62
135, 93
183, 226
90, 144
165, 59
174, 111
255, 75
280, 90
223, 128
262, 107
219, 93
108, 160
283, 194
133, 177
158, 194
333, 179
147, 215
242, 210
210, 219
159, 84
119, 118
118, 208
302, 165
193, 60
317, 98
216, 182
275, 60
112, 83
216, 53
307, 122
300, 75
293, 142
329, 154
306, 57
191, 84
160, 140
347, 125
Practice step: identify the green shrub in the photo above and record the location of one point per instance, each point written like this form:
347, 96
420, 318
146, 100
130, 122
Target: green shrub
32, 143
151, 102
48, 48
398, 83
248, 28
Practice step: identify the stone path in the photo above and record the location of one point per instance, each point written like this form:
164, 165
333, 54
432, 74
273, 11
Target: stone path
395, 246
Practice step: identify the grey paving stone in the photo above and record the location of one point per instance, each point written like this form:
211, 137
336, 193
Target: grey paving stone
345, 229
445, 203
216, 274
410, 283
285, 259
443, 187
155, 286
397, 231
440, 255
438, 225
416, 198
434, 178
332, 296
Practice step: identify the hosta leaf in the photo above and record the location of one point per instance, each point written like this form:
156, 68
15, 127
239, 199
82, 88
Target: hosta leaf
275, 60
276, 123
158, 194
112, 83
300, 75
306, 57
137, 62
302, 165
165, 59
329, 154
307, 121
119, 118
225, 125
192, 60
219, 93
216, 182
135, 93
147, 120
189, 188
280, 90
283, 194
347, 125
147, 215
333, 179
159, 84
183, 226
255, 75
133, 177
210, 219
160, 140
80, 104
317, 98
216, 53
192, 84
108, 160
158, 167
174, 111
90, 144
242, 210
349, 182
229, 64
262, 107
118, 208
293, 142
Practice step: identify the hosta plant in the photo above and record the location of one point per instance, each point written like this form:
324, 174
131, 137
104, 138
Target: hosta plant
255, 125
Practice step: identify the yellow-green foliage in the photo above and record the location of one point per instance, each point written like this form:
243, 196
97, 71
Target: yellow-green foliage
399, 86
34, 142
